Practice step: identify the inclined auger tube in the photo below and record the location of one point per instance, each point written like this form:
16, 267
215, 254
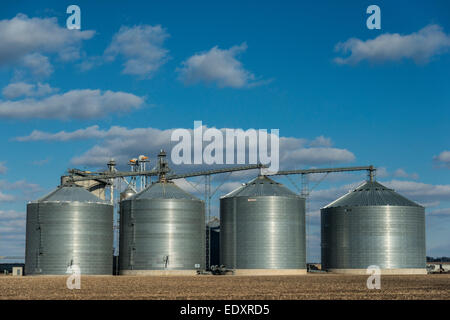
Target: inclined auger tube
261, 229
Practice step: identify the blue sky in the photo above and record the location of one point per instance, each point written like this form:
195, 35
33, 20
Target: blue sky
266, 64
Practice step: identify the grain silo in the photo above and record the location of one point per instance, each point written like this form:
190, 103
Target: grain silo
373, 225
69, 227
263, 229
212, 243
162, 231
127, 193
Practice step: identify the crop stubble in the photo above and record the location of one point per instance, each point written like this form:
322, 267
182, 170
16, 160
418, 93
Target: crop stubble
311, 286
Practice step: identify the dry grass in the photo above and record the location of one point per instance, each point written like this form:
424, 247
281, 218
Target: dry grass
311, 286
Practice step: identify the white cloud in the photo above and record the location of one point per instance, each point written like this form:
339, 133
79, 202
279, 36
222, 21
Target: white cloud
12, 215
141, 47
291, 142
217, 66
6, 197
420, 192
321, 141
400, 173
12, 231
38, 64
419, 46
430, 204
93, 132
74, 104
12, 226
19, 89
383, 172
123, 144
3, 168
88, 133
24, 41
40, 163
91, 62
21, 185
18, 191
443, 158
440, 212
317, 156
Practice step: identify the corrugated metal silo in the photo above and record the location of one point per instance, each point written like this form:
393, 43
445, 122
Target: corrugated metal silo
70, 226
213, 247
373, 225
162, 231
263, 229
127, 193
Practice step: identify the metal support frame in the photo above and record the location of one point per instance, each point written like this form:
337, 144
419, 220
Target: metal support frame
304, 179
208, 197
325, 170
305, 191
155, 172
208, 213
162, 171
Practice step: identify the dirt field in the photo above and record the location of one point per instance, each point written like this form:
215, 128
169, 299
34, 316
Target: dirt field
311, 286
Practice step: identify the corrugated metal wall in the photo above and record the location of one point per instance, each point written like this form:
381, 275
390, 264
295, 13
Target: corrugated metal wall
373, 225
392, 237
162, 234
60, 234
263, 231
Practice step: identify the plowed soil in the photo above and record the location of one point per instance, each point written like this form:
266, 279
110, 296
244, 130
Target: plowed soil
311, 286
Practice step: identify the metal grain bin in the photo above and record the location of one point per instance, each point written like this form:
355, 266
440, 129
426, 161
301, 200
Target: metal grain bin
263, 229
70, 226
162, 231
213, 247
127, 193
373, 225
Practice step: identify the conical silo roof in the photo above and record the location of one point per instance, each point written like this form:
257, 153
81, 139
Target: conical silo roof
261, 186
71, 193
163, 190
372, 193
